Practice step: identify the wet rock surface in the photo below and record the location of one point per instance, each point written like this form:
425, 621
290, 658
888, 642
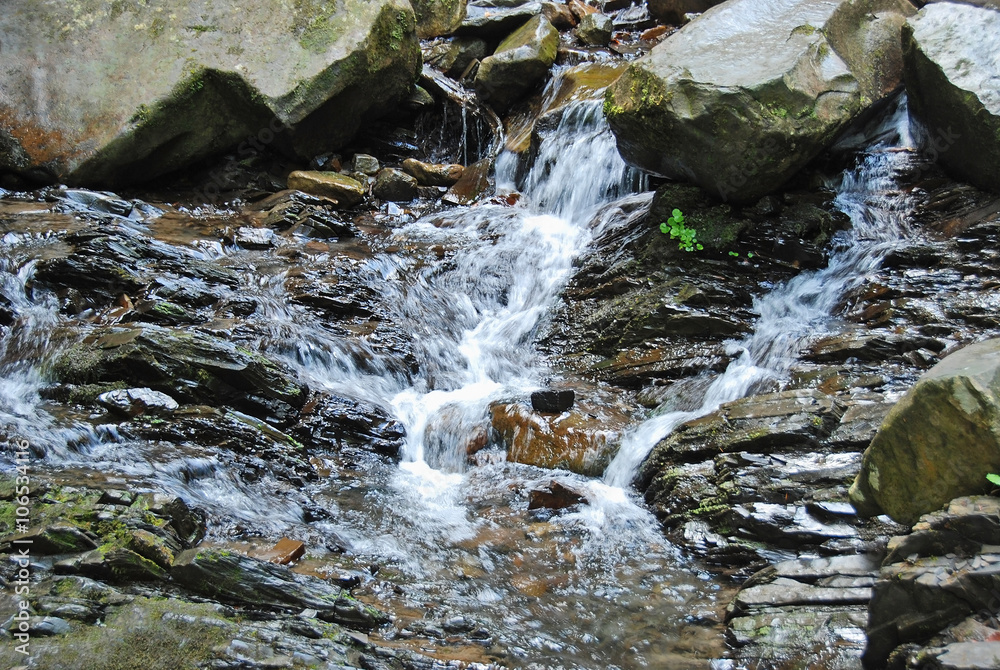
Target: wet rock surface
283, 293
946, 64
779, 107
933, 609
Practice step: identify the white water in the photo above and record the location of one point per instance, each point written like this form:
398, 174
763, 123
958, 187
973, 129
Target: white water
475, 321
802, 307
474, 316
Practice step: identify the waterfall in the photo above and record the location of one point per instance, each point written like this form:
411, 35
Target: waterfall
475, 321
803, 306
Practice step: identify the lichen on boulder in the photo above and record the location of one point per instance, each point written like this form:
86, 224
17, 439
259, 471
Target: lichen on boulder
743, 97
940, 440
133, 91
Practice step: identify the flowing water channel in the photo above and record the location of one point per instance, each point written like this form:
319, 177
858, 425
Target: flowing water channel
598, 587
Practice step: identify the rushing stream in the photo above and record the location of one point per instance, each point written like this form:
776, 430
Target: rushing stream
803, 306
594, 588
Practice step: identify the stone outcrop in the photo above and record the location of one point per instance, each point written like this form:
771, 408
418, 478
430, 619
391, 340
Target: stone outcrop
739, 100
952, 74
98, 93
936, 598
186, 365
811, 608
231, 577
939, 441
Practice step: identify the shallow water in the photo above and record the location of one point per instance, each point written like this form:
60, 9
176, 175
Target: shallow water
598, 587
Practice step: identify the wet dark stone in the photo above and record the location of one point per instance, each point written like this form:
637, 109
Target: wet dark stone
489, 21
338, 422
947, 569
555, 495
251, 582
552, 400
58, 538
188, 365
394, 185
755, 424
249, 446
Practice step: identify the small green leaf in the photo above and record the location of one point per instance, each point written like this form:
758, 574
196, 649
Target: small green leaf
749, 254
734, 254
994, 479
664, 229
677, 214
699, 247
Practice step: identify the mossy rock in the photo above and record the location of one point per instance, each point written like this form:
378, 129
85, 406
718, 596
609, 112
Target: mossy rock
148, 633
438, 17
184, 364
164, 89
247, 581
738, 103
520, 62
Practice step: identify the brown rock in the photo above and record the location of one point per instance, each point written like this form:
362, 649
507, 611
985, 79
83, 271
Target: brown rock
284, 552
346, 191
580, 9
555, 495
559, 15
433, 174
582, 440
474, 181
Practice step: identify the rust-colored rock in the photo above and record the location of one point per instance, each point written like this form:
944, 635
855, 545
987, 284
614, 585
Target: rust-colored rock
284, 552
582, 440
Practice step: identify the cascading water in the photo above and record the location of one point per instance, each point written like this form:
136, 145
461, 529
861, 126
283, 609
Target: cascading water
593, 588
803, 306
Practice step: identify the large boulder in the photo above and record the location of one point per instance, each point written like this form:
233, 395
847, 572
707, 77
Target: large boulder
939, 441
438, 17
187, 365
104, 93
744, 96
519, 63
952, 72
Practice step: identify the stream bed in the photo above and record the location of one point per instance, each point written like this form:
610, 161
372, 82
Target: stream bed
424, 318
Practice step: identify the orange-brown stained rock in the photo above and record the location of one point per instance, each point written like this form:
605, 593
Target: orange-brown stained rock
654, 33
581, 440
41, 145
580, 9
284, 552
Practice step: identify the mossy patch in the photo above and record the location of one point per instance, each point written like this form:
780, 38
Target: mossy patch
148, 633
